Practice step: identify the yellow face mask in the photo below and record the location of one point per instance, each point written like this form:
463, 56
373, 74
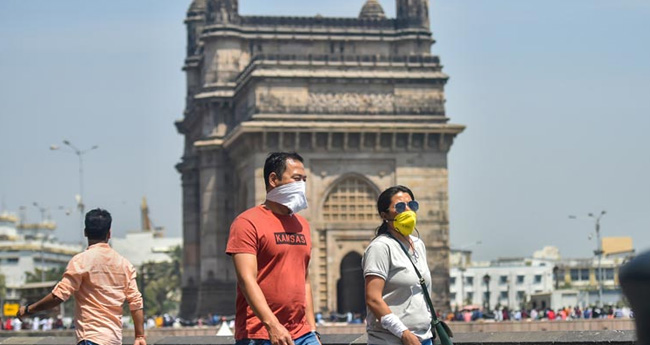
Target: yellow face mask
404, 222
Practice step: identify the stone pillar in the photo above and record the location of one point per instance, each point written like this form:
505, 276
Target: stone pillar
217, 292
191, 239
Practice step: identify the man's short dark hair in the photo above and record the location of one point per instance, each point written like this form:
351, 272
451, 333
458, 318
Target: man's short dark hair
277, 162
98, 223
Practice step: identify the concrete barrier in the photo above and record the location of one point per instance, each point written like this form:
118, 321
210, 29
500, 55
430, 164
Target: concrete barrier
626, 337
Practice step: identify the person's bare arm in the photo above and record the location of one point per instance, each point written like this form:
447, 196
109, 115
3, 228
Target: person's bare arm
138, 324
309, 304
374, 299
48, 302
376, 304
246, 268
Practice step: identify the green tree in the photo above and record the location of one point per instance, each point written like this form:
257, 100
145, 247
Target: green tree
3, 289
160, 283
52, 274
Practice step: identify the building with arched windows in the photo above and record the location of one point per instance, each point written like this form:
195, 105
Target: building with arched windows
360, 98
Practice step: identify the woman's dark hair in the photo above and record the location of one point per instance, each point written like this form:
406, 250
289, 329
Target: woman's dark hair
383, 203
98, 223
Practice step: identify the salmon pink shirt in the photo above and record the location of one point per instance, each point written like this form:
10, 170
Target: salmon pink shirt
100, 280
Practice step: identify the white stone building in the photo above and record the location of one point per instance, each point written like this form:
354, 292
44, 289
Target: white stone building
543, 281
144, 246
511, 282
26, 247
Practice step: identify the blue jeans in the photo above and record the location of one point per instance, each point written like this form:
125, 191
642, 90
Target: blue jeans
307, 339
86, 342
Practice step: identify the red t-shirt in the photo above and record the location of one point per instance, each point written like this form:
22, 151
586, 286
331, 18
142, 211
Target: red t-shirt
282, 245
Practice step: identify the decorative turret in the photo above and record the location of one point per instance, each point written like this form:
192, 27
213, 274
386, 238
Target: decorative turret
413, 13
223, 11
372, 10
195, 21
144, 215
197, 7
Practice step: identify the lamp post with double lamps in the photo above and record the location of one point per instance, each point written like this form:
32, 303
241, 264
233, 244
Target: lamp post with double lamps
599, 253
80, 200
43, 211
486, 280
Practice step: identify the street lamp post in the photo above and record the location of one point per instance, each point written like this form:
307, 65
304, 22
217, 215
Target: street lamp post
486, 280
80, 199
42, 260
598, 252
464, 262
43, 211
462, 285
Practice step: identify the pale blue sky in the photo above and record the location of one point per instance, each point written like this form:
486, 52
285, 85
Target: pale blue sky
554, 95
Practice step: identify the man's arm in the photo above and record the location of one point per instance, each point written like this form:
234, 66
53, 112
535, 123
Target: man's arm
48, 302
246, 268
138, 324
136, 306
309, 304
69, 283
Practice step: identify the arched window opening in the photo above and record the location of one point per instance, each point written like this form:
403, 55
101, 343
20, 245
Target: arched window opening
352, 200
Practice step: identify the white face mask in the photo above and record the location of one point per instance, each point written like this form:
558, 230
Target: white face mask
291, 195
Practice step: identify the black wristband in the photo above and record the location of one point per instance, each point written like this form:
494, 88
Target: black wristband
317, 334
27, 309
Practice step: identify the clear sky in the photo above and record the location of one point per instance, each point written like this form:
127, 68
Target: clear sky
554, 94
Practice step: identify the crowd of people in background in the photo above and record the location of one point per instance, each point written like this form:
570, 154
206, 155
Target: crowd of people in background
465, 315
35, 324
567, 313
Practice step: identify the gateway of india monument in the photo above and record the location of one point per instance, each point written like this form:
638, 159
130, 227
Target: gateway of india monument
360, 98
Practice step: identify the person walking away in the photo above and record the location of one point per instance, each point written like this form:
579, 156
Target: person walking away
101, 281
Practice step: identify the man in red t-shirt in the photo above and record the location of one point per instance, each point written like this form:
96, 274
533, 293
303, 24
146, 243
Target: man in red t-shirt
270, 247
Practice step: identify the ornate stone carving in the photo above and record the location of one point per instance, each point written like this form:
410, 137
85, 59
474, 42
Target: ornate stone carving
351, 103
281, 101
420, 103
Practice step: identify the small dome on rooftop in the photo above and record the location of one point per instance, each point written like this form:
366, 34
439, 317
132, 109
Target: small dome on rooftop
197, 6
372, 10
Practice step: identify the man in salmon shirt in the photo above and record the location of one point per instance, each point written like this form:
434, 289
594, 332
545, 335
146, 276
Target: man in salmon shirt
270, 247
101, 280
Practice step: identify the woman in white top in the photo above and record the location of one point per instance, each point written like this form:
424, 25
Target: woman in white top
397, 310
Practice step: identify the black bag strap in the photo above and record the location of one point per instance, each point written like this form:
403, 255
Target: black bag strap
425, 290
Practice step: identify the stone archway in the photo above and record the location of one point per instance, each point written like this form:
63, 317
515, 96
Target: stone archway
350, 287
